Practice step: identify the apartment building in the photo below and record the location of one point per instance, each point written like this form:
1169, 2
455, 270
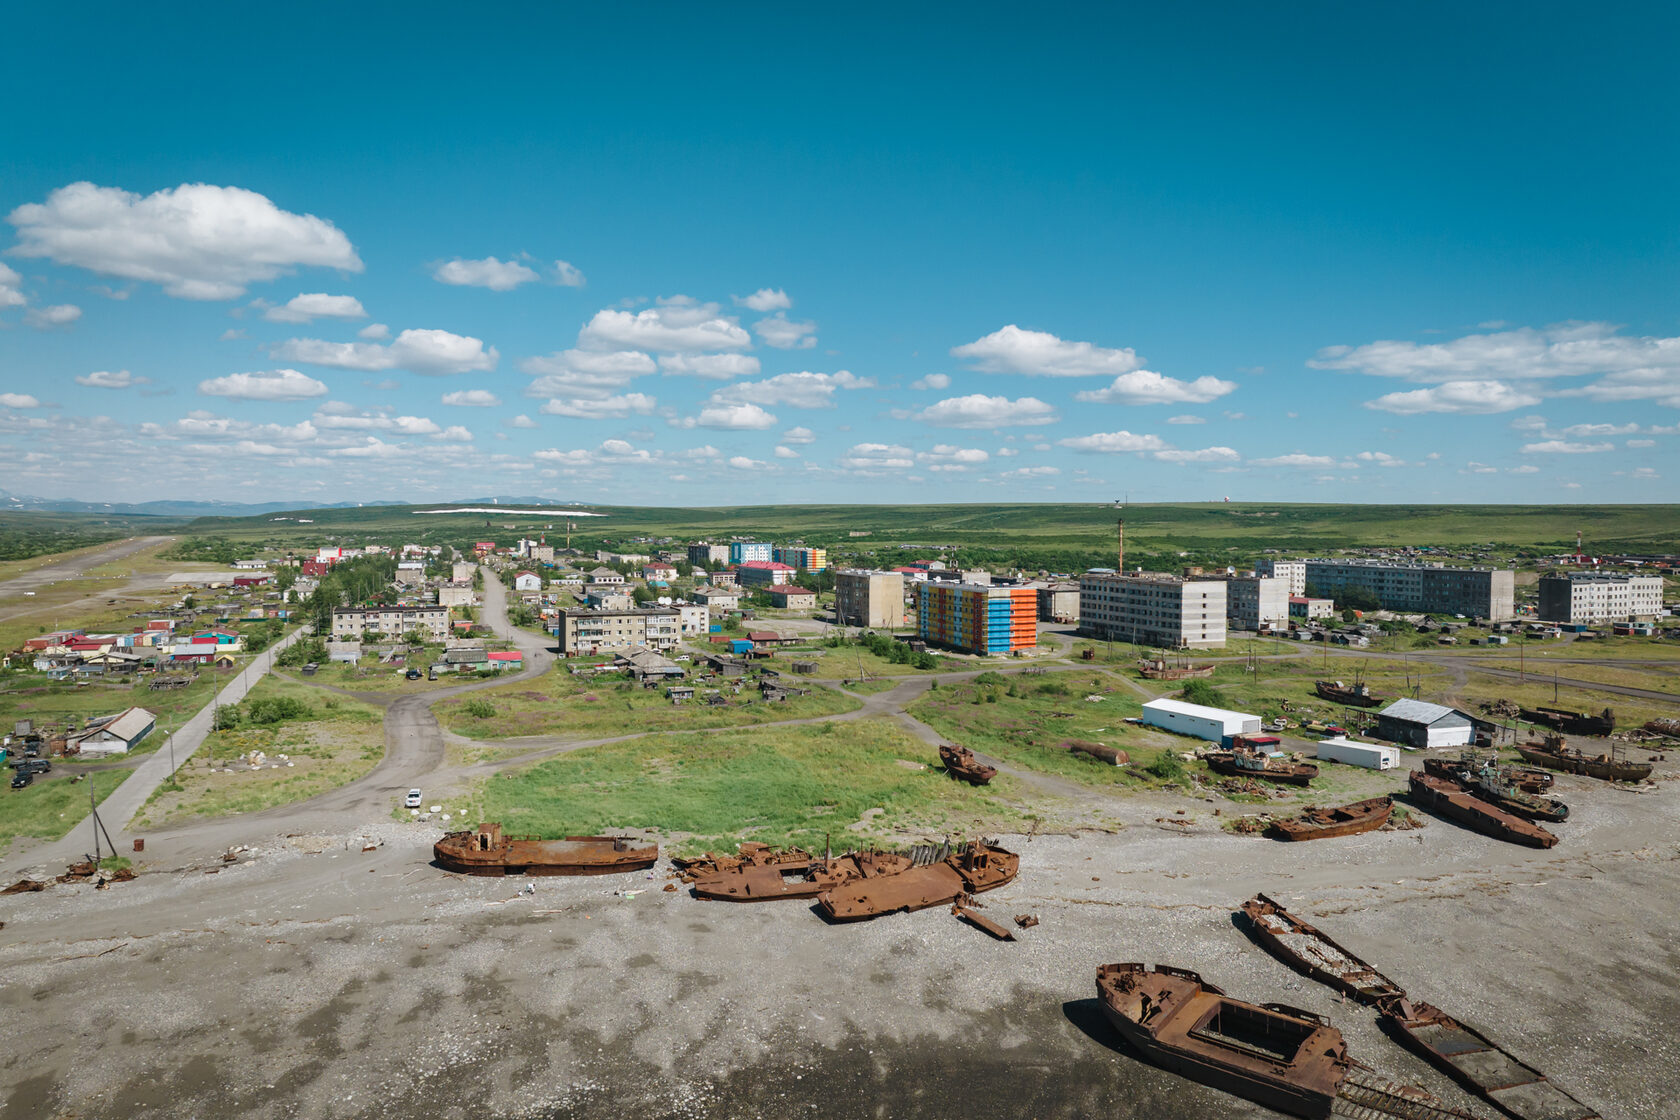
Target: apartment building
1599, 596
390, 622
598, 631
707, 553
977, 618
716, 599
1295, 571
1431, 588
1153, 608
762, 573
455, 595
869, 598
1058, 602
801, 558
1257, 602
741, 552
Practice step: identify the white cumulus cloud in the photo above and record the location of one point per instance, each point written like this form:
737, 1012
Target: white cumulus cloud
949, 457
796, 390
472, 398
568, 275
715, 367
742, 463
874, 458
58, 315
267, 385
497, 275
316, 305
196, 240
765, 299
1186, 419
11, 289
111, 379
431, 352
1201, 455
676, 325
784, 452
799, 435
378, 332
602, 408
1565, 447
18, 400
932, 381
1041, 354
731, 418
1296, 459
786, 334
1470, 398
980, 411
1562, 350
1115, 442
1144, 386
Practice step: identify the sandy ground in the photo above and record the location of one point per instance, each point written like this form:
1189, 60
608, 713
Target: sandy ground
313, 979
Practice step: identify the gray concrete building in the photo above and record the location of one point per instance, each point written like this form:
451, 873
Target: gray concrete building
586, 631
1295, 571
1599, 596
1431, 588
1058, 602
704, 553
1257, 602
1152, 608
869, 598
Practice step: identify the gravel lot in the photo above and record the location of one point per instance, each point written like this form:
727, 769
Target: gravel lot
313, 979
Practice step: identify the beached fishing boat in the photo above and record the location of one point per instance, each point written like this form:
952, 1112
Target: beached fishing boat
1479, 1064
1570, 723
1449, 799
1555, 753
961, 763
1310, 950
975, 867
1240, 762
1342, 820
1486, 779
488, 852
1358, 694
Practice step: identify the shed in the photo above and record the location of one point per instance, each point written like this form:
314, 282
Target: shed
1418, 723
116, 734
1372, 756
1213, 724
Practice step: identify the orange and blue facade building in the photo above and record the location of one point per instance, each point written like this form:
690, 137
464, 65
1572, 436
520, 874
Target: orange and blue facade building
977, 619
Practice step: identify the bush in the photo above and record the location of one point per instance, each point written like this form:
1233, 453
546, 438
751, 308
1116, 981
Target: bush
479, 709
991, 678
305, 651
1168, 767
1201, 692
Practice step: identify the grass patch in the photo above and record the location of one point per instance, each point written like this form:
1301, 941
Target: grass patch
789, 785
52, 805
561, 704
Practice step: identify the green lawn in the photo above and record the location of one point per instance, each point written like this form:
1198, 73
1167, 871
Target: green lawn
561, 704
798, 785
49, 808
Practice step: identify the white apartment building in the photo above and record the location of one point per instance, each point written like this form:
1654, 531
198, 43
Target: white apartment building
696, 618
1432, 588
1295, 571
1599, 596
392, 622
1257, 602
1153, 608
586, 631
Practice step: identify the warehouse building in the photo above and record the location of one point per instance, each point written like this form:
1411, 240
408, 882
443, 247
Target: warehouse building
1431, 588
1418, 723
1156, 609
1216, 725
975, 618
874, 600
1599, 596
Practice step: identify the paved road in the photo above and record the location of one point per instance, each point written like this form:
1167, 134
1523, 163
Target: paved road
75, 567
119, 808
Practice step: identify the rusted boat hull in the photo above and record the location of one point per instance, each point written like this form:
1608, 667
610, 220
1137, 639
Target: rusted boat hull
1312, 952
960, 763
1571, 723
1448, 799
1330, 690
1343, 820
1479, 1064
1291, 773
1497, 790
1274, 1056
1605, 769
975, 869
488, 852
764, 883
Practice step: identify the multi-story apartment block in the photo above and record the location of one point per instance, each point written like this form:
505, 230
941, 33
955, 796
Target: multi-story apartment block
1058, 602
696, 618
706, 553
1295, 571
740, 552
455, 595
586, 631
800, 557
717, 599
462, 571
1599, 596
1431, 588
391, 622
1157, 609
871, 599
1257, 602
975, 618
760, 573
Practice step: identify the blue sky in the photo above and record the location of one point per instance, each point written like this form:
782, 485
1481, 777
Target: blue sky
699, 256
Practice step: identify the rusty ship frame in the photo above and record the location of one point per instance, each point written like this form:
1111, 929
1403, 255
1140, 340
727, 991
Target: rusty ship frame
975, 867
488, 851
1312, 952
961, 764
1451, 800
1332, 821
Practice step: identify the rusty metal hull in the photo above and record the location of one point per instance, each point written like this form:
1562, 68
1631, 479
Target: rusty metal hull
1449, 800
1571, 723
1285, 1059
961, 763
1479, 1064
1574, 762
1289, 773
1343, 820
1312, 952
481, 853
769, 876
1494, 785
977, 868
1338, 693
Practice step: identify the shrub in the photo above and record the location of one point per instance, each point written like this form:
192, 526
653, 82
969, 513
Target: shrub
479, 709
1201, 692
1168, 767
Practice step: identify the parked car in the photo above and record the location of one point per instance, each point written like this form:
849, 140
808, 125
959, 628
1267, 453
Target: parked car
413, 674
412, 801
22, 778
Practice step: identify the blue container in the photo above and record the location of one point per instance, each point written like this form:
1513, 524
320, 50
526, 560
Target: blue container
740, 645
717, 628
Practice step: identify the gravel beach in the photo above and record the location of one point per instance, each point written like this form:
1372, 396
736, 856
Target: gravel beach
315, 979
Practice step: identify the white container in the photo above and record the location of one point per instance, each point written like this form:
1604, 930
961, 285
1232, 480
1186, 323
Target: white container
1212, 724
1372, 756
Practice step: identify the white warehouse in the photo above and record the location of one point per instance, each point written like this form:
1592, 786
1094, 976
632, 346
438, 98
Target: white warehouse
1213, 724
1372, 756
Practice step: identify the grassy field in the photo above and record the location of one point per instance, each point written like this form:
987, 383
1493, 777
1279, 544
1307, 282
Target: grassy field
32, 696
340, 741
560, 704
49, 808
798, 785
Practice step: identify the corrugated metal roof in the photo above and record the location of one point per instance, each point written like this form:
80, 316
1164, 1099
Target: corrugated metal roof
1419, 711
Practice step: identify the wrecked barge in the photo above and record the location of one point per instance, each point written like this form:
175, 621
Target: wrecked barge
1358, 694
1243, 762
1310, 951
977, 866
1449, 799
764, 874
1570, 723
960, 763
489, 852
1342, 820
1495, 784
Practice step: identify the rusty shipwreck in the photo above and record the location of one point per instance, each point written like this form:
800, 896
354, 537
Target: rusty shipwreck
1309, 950
1341, 820
1555, 753
1246, 762
764, 874
976, 866
1497, 785
960, 763
489, 852
1451, 800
